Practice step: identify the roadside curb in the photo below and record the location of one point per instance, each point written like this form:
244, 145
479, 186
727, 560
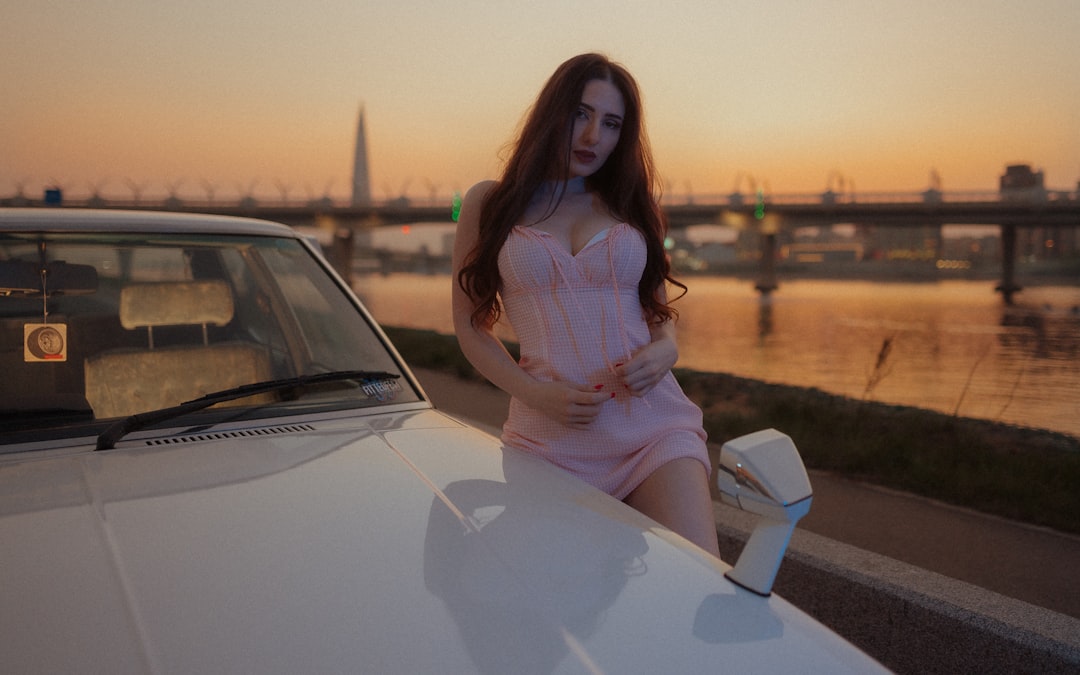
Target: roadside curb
910, 619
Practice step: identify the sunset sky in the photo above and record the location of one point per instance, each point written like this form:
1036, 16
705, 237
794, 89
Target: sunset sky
262, 96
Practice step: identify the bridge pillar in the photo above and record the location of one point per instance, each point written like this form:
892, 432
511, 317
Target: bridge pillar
341, 253
1008, 285
767, 282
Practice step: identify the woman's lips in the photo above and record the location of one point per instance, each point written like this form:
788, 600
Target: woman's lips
585, 156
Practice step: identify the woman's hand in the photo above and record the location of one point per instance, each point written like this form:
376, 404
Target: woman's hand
570, 404
648, 366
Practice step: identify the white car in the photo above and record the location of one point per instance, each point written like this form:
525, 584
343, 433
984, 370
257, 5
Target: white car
213, 461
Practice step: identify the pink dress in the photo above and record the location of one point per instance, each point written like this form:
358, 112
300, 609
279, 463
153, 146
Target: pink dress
576, 317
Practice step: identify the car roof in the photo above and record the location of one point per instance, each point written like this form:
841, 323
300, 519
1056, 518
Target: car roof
110, 220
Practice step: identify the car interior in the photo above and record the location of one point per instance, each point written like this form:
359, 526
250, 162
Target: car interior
124, 381
125, 347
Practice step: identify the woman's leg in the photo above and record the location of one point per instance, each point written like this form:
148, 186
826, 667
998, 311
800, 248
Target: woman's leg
677, 496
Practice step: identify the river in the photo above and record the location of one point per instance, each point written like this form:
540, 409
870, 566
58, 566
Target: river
948, 346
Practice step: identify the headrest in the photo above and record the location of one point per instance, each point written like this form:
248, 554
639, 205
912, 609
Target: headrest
176, 303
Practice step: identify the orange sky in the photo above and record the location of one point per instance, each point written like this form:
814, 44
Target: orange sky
262, 96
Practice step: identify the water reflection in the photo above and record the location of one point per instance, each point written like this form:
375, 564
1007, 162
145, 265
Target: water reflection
765, 316
955, 347
1041, 332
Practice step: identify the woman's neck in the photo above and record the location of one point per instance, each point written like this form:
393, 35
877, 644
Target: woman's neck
555, 190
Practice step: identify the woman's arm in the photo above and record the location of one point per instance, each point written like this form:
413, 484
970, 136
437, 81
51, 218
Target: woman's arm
652, 362
569, 403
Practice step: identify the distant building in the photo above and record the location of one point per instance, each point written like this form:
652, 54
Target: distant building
1035, 243
1020, 181
361, 184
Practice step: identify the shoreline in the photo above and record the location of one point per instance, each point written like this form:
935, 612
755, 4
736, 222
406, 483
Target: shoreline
1027, 274
1064, 275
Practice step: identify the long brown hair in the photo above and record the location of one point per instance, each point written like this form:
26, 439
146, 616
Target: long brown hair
625, 182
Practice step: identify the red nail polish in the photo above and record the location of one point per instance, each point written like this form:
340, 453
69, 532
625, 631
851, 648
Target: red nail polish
612, 394
598, 387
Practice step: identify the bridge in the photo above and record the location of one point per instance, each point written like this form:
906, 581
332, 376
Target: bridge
991, 210
765, 214
1035, 208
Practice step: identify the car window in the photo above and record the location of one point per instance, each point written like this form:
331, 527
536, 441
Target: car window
328, 331
120, 324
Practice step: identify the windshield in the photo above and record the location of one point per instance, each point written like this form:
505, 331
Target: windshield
97, 327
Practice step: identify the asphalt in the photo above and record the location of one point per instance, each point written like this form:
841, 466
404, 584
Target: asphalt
1032, 564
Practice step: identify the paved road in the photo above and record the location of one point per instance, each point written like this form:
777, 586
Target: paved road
1032, 564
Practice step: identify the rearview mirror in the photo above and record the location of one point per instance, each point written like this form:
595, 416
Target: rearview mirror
22, 277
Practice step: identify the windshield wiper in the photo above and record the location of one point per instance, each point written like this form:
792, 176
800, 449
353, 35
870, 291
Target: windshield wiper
108, 438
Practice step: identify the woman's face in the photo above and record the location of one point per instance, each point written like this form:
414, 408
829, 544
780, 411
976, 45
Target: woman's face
597, 125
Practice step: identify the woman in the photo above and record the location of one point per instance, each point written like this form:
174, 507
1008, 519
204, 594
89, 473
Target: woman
569, 243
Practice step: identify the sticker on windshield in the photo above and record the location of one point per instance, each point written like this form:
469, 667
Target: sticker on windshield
382, 390
44, 342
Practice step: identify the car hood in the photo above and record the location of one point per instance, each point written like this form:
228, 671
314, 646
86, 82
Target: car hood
392, 543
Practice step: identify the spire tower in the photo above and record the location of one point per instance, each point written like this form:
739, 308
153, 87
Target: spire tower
361, 182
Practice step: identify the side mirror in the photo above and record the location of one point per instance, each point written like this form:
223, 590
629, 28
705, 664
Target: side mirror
762, 473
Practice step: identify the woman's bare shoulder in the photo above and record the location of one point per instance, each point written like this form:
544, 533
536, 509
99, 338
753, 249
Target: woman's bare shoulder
471, 206
479, 192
